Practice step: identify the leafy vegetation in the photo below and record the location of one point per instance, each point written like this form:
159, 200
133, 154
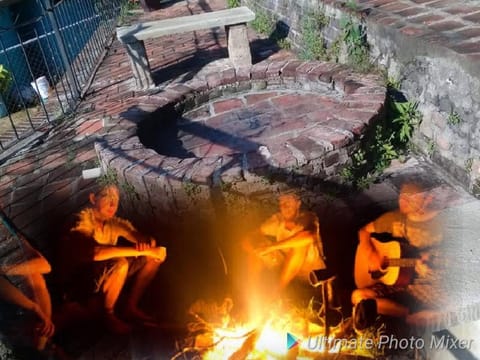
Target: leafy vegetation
314, 43
352, 5
263, 23
355, 39
388, 140
109, 177
233, 3
454, 118
468, 165
5, 79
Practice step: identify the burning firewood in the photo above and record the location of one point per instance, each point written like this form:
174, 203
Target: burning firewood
247, 347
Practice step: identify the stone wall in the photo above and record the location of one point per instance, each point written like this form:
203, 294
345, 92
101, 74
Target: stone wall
446, 84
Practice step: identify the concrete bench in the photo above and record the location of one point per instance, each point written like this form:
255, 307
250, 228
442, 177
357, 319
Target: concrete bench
234, 20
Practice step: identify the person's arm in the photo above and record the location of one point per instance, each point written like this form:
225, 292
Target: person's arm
101, 253
300, 239
36, 263
126, 230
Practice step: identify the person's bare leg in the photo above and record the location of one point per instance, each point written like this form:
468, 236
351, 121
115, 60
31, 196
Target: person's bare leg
42, 298
111, 288
40, 293
143, 278
113, 285
292, 266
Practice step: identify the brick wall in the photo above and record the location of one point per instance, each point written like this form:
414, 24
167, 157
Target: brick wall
429, 48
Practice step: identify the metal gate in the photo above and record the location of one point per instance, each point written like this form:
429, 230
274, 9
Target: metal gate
49, 50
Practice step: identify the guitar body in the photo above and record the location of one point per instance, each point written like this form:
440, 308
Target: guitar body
388, 275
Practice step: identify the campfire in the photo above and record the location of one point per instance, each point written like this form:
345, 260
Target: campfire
284, 331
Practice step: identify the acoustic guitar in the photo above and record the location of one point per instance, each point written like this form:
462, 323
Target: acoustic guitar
394, 269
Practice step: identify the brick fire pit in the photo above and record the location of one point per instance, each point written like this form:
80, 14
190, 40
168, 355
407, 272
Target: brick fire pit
239, 129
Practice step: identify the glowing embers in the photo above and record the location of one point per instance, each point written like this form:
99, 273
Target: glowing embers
283, 331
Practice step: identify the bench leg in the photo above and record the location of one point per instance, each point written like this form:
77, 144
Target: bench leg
139, 61
238, 45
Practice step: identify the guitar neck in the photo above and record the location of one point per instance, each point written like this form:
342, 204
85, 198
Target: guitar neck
407, 262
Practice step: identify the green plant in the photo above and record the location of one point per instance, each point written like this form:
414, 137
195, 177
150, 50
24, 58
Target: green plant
454, 118
71, 154
263, 23
407, 117
130, 190
355, 39
431, 147
284, 44
233, 3
314, 43
333, 52
388, 140
393, 84
352, 5
191, 189
468, 165
5, 79
109, 177
125, 9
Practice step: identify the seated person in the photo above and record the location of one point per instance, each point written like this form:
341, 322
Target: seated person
415, 226
91, 261
296, 246
22, 283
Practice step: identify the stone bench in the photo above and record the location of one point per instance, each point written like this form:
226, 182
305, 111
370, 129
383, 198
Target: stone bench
234, 20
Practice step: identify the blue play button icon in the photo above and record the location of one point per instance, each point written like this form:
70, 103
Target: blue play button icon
292, 341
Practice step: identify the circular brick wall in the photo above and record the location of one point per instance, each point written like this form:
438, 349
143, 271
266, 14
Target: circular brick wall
244, 130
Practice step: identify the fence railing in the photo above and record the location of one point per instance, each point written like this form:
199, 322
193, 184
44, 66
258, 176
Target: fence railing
49, 51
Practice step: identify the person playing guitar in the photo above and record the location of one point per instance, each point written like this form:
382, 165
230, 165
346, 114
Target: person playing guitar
378, 261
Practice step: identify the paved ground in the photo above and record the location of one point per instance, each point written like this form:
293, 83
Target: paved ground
41, 185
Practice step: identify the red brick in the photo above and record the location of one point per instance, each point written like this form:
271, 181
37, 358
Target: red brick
255, 98
469, 33
243, 73
228, 76
412, 31
259, 71
446, 25
20, 167
306, 67
466, 47
308, 147
286, 100
394, 7
290, 69
426, 19
227, 105
213, 80
473, 17
355, 127
200, 112
455, 10
323, 72
302, 108
413, 11
376, 3
289, 125
90, 127
274, 68
355, 115
336, 138
388, 21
